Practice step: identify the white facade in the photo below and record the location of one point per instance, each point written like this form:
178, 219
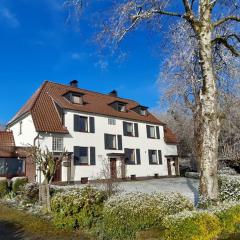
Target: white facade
25, 134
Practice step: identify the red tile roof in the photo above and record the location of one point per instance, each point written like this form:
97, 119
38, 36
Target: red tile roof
6, 139
8, 148
42, 106
169, 136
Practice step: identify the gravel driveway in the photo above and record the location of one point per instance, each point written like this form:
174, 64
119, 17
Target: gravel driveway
186, 186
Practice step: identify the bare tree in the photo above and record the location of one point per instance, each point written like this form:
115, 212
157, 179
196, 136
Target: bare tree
204, 18
47, 165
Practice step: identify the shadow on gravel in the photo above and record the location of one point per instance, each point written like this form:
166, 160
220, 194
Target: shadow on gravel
10, 231
194, 190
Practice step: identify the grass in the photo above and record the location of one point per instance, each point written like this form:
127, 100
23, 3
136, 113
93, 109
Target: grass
26, 226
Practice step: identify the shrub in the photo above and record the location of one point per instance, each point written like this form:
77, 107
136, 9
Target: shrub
227, 171
18, 183
3, 187
30, 192
125, 215
229, 187
229, 215
194, 175
77, 208
192, 225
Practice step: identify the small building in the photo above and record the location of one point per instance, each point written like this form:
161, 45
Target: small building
13, 159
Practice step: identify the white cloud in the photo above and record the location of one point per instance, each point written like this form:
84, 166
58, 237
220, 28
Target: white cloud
8, 17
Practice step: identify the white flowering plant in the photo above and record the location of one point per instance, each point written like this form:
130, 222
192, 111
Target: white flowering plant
125, 215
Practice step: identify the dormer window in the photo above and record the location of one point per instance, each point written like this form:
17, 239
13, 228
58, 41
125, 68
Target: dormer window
75, 97
143, 112
119, 106
140, 110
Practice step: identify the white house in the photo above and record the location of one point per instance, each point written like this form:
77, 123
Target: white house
98, 130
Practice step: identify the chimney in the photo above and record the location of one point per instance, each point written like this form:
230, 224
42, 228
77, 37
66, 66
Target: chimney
74, 83
113, 93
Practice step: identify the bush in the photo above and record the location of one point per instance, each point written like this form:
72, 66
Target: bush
194, 175
30, 192
78, 208
125, 215
229, 187
197, 225
227, 171
18, 183
229, 215
3, 187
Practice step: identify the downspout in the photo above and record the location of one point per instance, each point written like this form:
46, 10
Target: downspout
34, 144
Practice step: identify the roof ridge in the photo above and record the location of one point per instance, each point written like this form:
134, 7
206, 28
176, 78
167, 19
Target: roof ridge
104, 94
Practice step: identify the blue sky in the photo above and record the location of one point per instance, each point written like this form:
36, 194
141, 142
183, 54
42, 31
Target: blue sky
36, 44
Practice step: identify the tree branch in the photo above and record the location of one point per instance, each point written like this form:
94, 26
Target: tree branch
224, 41
226, 19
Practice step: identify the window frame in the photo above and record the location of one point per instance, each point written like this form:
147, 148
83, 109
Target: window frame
56, 149
151, 162
130, 161
115, 141
79, 157
130, 134
112, 121
86, 122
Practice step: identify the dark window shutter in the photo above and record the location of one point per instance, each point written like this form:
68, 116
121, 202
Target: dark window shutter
160, 156
119, 142
148, 131
76, 152
136, 129
92, 124
150, 156
127, 157
92, 156
124, 128
76, 123
106, 141
138, 156
158, 132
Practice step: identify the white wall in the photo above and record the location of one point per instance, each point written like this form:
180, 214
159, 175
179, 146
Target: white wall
28, 131
97, 140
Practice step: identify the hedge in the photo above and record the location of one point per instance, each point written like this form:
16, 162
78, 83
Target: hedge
191, 225
78, 208
125, 215
229, 216
3, 187
18, 183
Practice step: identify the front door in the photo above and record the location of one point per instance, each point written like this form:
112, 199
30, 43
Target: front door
58, 174
169, 167
113, 167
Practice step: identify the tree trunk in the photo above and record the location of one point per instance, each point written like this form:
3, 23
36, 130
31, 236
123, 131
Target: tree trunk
208, 98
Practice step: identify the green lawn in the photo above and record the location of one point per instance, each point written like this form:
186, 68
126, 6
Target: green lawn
18, 225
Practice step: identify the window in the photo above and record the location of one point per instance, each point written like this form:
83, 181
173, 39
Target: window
121, 107
152, 157
81, 124
129, 127
129, 155
20, 128
77, 99
152, 131
111, 121
143, 111
80, 155
57, 144
110, 141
